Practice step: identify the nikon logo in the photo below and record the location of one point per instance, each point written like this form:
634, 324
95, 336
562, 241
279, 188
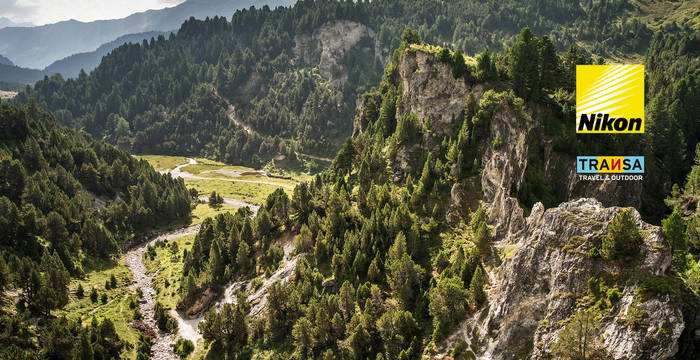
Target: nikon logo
609, 98
605, 123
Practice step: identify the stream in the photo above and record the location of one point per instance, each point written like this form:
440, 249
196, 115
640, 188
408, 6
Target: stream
162, 348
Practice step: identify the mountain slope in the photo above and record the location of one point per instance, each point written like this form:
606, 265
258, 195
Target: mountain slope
296, 83
68, 205
71, 66
5, 61
5, 22
37, 47
414, 243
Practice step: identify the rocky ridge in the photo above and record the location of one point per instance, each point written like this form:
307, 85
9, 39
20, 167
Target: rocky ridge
539, 276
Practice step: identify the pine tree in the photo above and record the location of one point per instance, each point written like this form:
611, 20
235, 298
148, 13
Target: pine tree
549, 64
243, 257
674, 231
476, 288
523, 66
404, 274
623, 237
485, 67
459, 68
4, 274
56, 278
692, 234
86, 351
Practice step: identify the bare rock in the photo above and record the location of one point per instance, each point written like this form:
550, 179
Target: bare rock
327, 45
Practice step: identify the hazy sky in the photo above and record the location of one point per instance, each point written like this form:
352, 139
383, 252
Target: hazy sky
42, 12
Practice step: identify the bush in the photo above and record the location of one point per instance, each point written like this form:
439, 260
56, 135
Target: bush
623, 237
498, 142
459, 65
183, 348
164, 321
614, 295
444, 56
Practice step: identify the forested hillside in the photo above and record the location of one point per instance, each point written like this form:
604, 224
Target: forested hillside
449, 225
146, 97
67, 202
398, 258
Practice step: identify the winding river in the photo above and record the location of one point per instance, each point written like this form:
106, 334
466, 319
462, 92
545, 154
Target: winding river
162, 348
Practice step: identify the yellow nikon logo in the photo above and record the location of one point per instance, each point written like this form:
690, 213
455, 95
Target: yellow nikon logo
609, 98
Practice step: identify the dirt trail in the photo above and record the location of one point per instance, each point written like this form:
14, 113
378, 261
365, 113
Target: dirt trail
162, 344
189, 327
177, 172
231, 113
314, 157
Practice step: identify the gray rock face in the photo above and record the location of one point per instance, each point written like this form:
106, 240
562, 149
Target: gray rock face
504, 169
431, 92
327, 45
536, 289
539, 278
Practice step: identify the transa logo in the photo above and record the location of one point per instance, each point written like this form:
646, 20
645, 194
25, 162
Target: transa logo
609, 99
610, 167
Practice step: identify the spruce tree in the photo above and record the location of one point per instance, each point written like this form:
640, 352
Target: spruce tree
548, 64
476, 287
674, 231
523, 66
623, 237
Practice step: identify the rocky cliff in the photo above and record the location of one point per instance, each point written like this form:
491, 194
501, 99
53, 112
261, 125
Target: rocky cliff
538, 288
328, 45
542, 269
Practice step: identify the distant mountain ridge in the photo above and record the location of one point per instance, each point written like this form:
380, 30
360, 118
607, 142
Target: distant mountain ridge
6, 61
37, 47
5, 22
71, 65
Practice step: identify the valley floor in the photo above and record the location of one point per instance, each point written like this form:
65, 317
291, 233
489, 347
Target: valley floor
157, 277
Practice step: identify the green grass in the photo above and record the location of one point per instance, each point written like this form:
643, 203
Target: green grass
209, 162
163, 162
434, 49
117, 306
658, 13
169, 267
203, 211
249, 192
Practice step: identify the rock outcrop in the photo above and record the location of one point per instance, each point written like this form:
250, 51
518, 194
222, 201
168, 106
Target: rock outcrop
327, 46
431, 92
535, 291
541, 264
